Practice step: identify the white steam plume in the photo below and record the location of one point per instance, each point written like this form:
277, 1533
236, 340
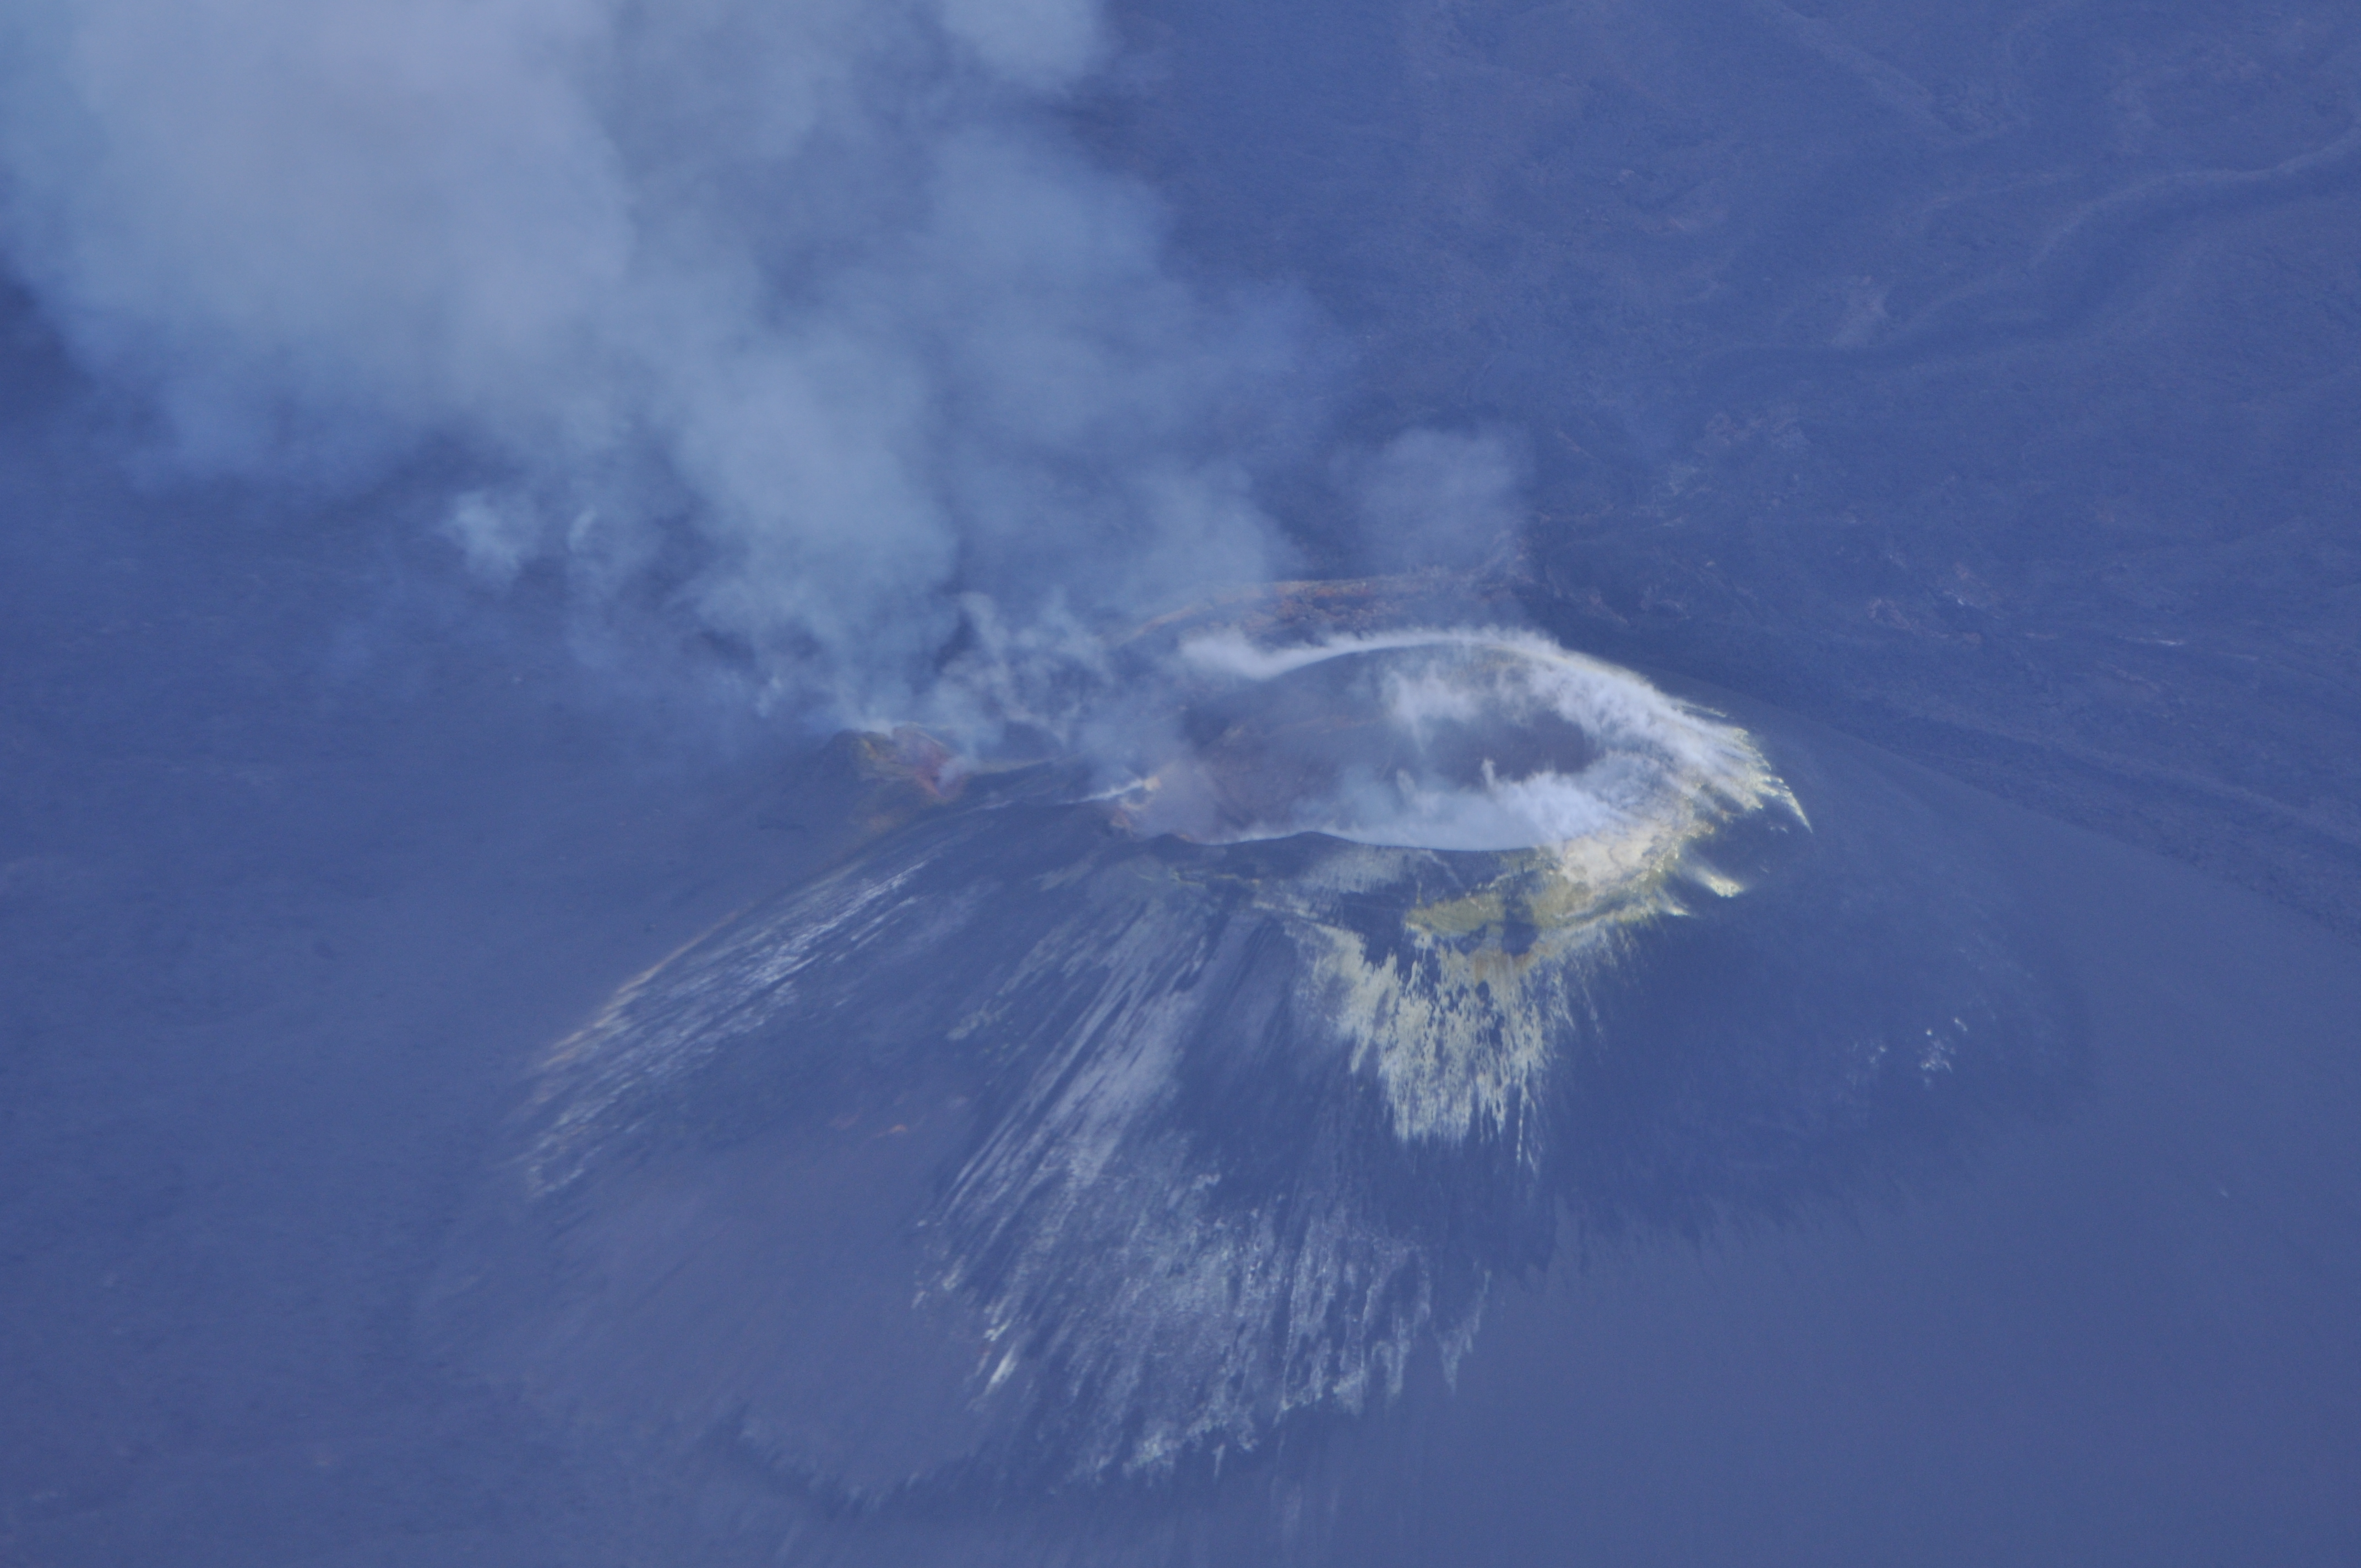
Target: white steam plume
805, 310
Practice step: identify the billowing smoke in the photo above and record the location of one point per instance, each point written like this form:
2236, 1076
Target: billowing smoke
804, 321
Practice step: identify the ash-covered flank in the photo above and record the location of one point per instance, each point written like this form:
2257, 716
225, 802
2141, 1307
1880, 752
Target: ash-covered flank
1130, 1122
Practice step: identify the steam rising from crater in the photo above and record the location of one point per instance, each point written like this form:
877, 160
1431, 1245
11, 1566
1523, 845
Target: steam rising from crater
1447, 739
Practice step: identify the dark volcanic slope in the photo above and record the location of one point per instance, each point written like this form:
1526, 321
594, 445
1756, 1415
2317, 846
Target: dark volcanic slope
1019, 1150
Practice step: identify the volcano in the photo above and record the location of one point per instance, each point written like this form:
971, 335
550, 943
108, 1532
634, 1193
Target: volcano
1120, 1113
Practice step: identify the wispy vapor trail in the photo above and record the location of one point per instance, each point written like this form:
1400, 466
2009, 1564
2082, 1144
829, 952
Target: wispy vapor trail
803, 315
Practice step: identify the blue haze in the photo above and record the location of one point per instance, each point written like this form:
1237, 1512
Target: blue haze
1966, 390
